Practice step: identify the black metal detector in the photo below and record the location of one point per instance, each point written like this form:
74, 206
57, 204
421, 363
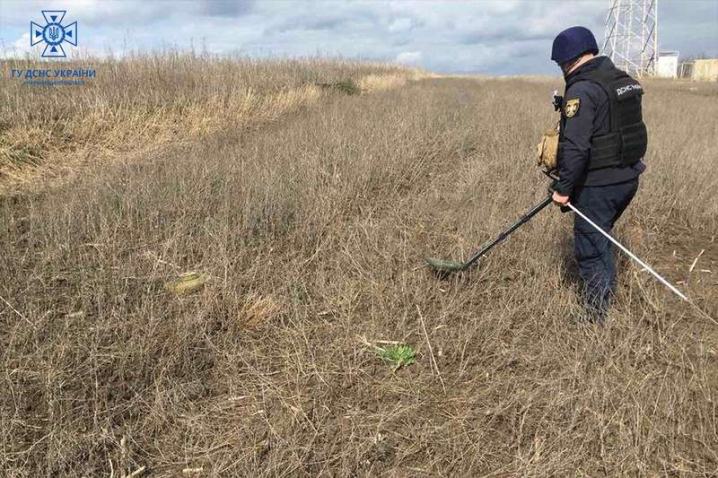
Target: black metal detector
446, 267
443, 266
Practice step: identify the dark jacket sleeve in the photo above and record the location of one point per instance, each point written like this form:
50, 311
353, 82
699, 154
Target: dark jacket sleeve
576, 138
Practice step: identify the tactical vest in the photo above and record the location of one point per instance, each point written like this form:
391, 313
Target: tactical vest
626, 142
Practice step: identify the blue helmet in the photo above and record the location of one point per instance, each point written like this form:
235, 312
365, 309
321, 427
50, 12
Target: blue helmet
572, 43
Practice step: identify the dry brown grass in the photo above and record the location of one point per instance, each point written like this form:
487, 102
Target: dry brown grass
313, 229
148, 101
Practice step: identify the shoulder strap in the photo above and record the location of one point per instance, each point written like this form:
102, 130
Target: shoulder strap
607, 79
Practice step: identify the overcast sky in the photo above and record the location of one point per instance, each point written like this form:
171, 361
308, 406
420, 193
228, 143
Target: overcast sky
479, 36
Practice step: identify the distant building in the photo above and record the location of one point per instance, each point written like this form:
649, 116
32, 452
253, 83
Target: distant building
667, 66
700, 70
705, 70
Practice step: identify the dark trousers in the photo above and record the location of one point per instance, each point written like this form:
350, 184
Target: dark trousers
594, 253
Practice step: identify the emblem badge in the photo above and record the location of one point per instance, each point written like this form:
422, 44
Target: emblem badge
53, 34
572, 107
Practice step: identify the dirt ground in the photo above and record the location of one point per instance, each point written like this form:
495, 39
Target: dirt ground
313, 231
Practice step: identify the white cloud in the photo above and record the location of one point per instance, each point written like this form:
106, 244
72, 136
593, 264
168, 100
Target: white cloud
19, 48
401, 25
408, 57
22, 43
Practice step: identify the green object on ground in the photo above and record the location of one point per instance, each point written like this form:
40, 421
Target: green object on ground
187, 283
441, 265
398, 356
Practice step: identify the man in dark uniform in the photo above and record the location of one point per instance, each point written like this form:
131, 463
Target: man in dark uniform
602, 141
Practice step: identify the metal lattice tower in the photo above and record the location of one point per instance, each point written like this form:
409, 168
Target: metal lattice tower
631, 38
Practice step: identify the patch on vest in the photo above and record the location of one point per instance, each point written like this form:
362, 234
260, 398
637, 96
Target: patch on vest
572, 107
624, 89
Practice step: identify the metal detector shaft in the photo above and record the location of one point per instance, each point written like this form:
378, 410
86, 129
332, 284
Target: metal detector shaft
630, 254
524, 219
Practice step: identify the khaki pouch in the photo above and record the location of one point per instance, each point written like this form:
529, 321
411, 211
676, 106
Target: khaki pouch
548, 150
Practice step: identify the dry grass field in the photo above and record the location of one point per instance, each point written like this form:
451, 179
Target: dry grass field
311, 222
145, 102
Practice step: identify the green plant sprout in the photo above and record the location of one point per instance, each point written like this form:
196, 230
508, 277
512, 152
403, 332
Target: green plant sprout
397, 356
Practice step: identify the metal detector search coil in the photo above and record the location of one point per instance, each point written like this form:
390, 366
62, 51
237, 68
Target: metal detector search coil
445, 267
